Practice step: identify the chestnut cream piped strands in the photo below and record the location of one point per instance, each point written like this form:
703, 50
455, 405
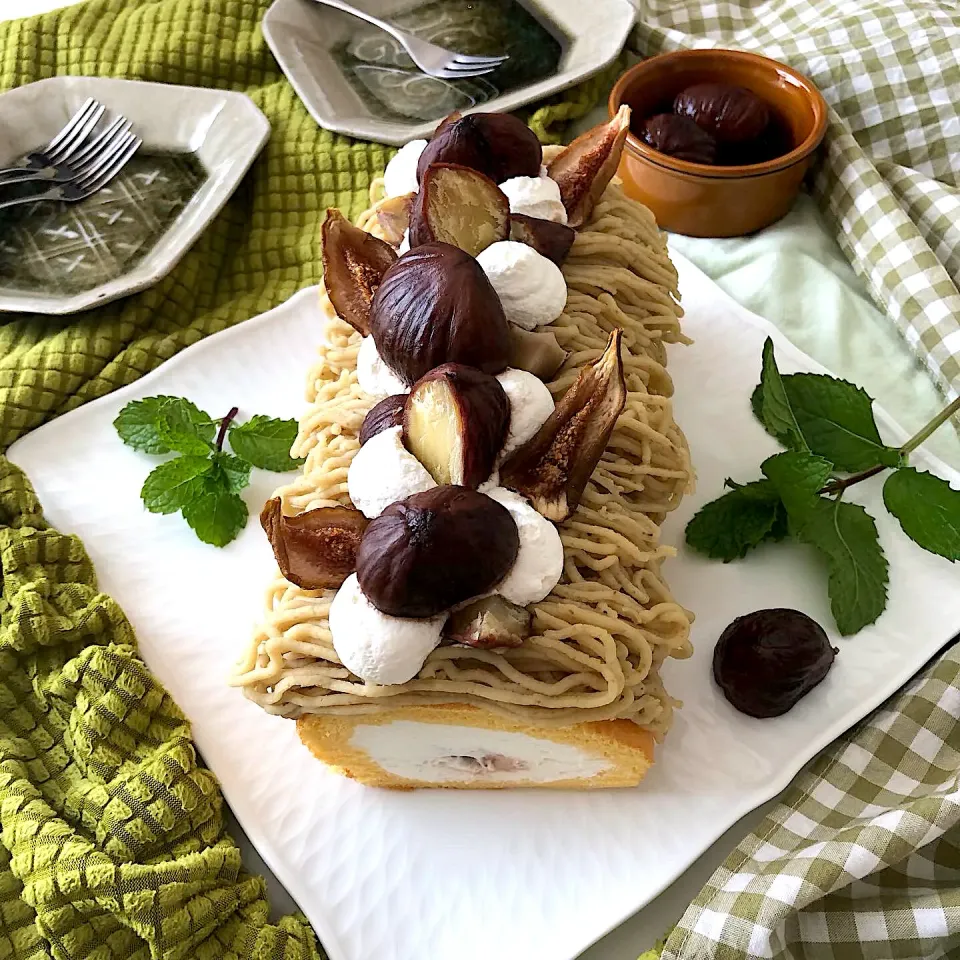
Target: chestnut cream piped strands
595, 644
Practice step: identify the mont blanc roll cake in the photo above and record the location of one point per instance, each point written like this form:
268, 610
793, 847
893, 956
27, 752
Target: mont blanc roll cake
469, 591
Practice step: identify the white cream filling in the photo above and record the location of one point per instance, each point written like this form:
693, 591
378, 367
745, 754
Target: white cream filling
373, 375
376, 647
438, 753
539, 564
530, 405
535, 197
531, 287
384, 471
400, 177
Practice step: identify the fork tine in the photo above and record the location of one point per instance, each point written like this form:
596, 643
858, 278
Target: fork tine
70, 145
452, 72
88, 154
479, 61
105, 160
89, 105
120, 161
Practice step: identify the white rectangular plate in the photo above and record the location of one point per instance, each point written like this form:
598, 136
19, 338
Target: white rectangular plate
518, 875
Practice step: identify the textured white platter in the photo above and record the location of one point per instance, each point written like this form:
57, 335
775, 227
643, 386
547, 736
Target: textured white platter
304, 35
513, 875
224, 131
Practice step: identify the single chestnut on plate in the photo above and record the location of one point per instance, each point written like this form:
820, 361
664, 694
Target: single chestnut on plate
434, 550
766, 661
679, 137
728, 113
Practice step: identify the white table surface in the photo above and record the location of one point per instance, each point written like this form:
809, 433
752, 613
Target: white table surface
898, 383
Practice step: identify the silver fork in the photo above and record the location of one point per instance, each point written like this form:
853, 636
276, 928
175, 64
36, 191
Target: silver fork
98, 175
62, 148
431, 59
80, 162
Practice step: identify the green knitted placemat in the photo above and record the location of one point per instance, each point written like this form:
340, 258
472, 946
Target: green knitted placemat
112, 844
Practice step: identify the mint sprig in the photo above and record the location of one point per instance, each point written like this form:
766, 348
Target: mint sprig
203, 481
832, 441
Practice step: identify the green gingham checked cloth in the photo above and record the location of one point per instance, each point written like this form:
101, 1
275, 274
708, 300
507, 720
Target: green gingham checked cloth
861, 859
889, 182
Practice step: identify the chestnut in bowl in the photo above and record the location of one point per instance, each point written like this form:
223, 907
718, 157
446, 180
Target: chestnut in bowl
719, 201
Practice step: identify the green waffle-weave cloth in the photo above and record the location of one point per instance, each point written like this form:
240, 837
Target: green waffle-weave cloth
112, 843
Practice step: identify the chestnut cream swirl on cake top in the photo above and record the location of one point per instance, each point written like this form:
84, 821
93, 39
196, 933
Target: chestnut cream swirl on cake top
490, 447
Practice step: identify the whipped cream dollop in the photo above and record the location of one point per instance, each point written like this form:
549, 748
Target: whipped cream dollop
539, 562
375, 377
400, 177
535, 197
376, 647
531, 287
385, 471
530, 405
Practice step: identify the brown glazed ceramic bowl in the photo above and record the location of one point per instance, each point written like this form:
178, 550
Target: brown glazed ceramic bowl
718, 201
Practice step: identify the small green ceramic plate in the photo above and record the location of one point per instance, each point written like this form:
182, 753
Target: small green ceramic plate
62, 258
356, 79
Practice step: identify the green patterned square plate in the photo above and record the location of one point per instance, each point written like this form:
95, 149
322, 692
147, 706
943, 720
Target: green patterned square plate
58, 258
356, 79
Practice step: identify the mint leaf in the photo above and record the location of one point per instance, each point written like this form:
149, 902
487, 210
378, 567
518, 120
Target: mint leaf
797, 478
183, 427
728, 527
266, 443
137, 424
175, 483
216, 515
836, 420
235, 470
776, 414
928, 509
846, 536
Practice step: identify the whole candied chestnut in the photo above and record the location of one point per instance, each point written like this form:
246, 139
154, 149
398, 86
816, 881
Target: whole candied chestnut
767, 660
679, 137
435, 305
434, 550
728, 113
382, 416
497, 144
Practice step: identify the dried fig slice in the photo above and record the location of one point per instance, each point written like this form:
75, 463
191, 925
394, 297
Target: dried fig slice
536, 351
459, 206
382, 416
552, 240
393, 215
553, 467
455, 422
354, 263
488, 623
585, 167
317, 549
